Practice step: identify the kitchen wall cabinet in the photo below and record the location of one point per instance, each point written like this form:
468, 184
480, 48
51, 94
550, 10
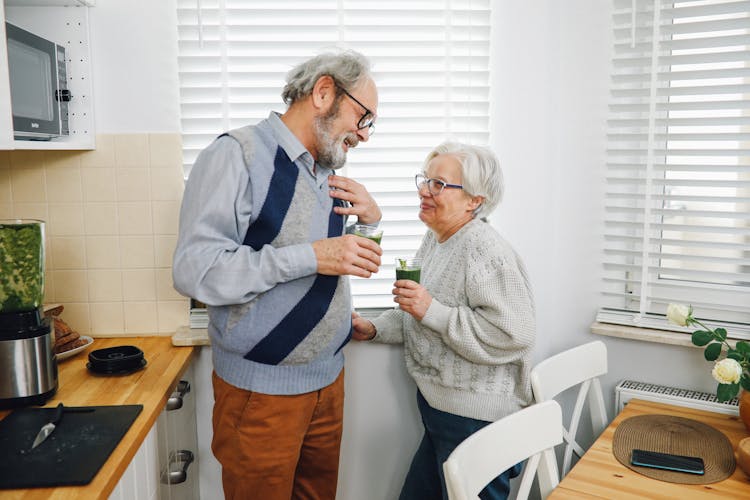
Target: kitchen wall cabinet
166, 466
66, 23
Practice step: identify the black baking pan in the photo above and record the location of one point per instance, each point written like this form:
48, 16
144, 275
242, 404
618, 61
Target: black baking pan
118, 360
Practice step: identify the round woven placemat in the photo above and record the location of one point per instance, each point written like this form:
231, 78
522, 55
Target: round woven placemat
678, 436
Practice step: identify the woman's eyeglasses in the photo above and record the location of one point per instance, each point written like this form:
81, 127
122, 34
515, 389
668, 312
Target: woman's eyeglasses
368, 119
435, 186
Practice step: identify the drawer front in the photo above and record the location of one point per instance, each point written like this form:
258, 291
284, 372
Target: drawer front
179, 443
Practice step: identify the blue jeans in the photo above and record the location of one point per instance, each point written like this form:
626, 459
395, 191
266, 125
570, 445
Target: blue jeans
443, 432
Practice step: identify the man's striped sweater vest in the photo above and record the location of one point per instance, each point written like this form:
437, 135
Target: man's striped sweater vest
287, 340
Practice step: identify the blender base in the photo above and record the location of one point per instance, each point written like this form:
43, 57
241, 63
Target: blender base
36, 400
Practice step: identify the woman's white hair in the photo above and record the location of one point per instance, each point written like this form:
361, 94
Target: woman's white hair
481, 174
347, 68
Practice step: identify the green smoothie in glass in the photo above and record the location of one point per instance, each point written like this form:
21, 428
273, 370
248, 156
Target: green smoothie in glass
369, 232
409, 269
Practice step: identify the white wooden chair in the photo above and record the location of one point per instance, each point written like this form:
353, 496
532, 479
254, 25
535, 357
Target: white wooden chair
580, 365
530, 433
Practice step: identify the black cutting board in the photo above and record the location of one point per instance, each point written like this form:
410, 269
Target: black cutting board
71, 455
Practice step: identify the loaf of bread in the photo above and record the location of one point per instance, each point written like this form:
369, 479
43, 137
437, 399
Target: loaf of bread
65, 337
79, 342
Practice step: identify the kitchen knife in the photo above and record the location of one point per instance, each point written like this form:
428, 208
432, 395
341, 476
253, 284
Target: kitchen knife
49, 427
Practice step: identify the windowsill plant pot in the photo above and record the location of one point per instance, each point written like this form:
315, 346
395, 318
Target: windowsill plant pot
743, 455
745, 412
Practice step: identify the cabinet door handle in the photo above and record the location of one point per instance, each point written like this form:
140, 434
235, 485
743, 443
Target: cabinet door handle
181, 458
175, 400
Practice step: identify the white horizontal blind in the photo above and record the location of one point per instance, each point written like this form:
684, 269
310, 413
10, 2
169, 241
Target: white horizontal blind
430, 61
677, 225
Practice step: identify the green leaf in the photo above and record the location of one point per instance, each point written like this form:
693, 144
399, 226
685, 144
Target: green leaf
721, 334
743, 347
735, 356
745, 382
712, 351
725, 392
701, 337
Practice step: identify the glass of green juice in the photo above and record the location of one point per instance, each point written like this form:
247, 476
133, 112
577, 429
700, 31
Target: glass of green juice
370, 232
409, 269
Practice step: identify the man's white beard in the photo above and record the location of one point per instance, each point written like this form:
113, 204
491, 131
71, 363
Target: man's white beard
331, 154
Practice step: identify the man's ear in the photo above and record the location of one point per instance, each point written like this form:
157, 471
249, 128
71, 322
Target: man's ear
324, 93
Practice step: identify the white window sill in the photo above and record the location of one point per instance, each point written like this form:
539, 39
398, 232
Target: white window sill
371, 312
646, 334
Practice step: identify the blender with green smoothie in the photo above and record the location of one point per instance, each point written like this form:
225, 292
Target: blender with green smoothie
21, 265
28, 367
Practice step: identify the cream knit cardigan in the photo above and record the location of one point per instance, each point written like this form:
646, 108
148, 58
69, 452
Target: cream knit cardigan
470, 354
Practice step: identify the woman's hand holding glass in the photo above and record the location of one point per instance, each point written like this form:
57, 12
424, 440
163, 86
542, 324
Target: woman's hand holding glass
412, 298
362, 329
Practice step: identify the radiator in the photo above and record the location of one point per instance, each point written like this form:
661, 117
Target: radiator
629, 389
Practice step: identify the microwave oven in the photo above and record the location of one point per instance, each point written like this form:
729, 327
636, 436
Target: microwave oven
38, 86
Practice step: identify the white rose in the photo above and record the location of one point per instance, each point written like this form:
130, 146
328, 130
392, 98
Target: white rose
727, 371
678, 313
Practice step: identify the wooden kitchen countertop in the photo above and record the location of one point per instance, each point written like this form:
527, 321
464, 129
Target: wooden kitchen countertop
149, 387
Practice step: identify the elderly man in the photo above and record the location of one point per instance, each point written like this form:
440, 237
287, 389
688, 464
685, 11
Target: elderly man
262, 243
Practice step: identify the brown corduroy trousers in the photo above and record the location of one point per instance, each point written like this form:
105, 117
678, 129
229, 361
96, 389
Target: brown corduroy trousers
278, 447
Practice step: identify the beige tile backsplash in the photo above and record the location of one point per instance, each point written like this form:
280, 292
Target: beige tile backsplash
111, 229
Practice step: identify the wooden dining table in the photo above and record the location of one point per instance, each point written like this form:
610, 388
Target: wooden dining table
598, 474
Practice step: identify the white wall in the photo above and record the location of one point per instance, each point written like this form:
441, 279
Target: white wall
551, 79
550, 74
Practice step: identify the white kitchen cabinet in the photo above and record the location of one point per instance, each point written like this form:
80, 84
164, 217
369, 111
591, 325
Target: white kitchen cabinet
382, 426
140, 481
178, 443
65, 22
160, 470
54, 3
6, 118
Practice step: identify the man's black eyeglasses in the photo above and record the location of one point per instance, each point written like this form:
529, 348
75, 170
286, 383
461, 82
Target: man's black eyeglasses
435, 186
368, 119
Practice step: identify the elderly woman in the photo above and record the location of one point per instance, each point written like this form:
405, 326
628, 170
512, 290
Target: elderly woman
468, 328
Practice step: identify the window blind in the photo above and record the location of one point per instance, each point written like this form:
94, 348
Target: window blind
677, 203
430, 60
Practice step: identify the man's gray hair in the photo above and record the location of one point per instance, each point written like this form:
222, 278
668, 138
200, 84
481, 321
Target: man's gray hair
347, 68
481, 174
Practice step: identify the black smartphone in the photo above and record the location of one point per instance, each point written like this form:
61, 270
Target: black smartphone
667, 461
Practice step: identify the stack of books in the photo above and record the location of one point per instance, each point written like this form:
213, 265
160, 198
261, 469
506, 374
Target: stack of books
198, 314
